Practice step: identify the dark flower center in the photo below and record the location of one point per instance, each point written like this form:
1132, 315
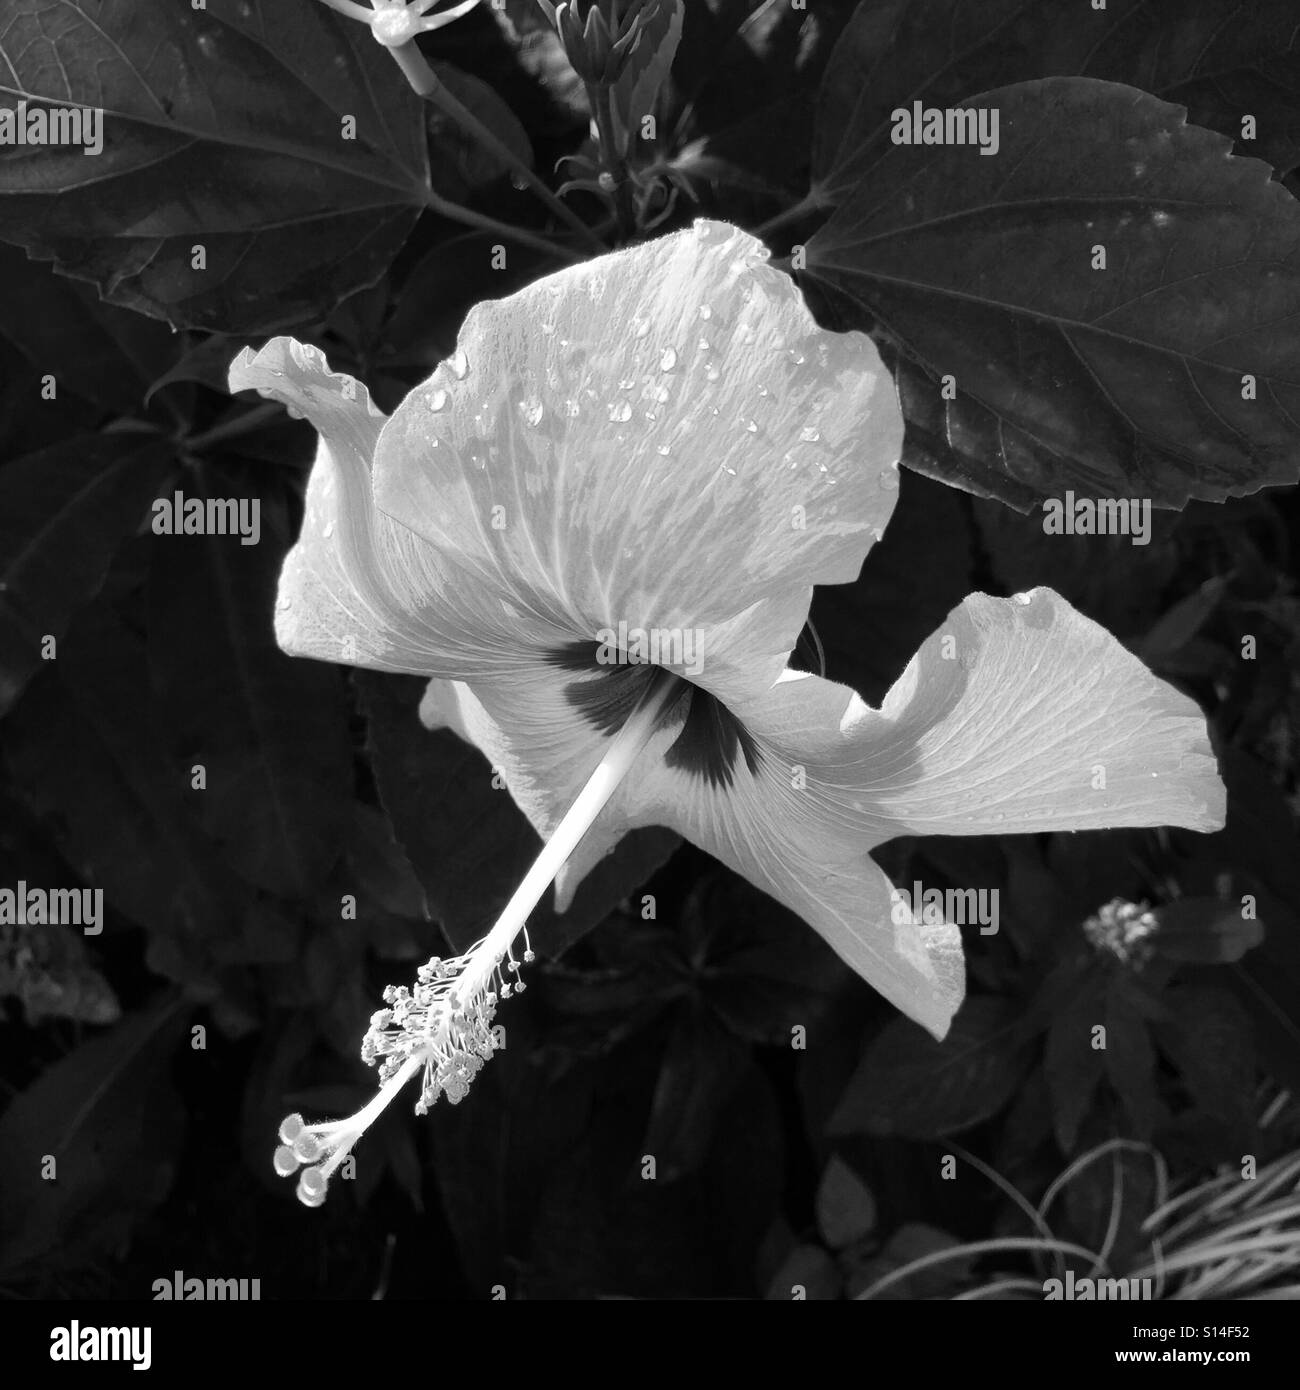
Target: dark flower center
712, 739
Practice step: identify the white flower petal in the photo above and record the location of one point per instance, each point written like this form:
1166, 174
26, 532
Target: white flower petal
661, 437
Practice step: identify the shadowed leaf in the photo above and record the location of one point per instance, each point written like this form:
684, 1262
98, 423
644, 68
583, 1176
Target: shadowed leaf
231, 128
1172, 373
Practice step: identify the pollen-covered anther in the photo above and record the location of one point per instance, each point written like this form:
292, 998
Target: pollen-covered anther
443, 1025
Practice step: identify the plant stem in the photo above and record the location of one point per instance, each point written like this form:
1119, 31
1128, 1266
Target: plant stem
424, 82
457, 212
615, 165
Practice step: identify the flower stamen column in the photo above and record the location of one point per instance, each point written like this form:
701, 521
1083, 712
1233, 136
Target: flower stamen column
444, 1026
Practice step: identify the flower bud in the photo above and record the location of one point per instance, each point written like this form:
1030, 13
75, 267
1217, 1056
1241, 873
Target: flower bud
599, 36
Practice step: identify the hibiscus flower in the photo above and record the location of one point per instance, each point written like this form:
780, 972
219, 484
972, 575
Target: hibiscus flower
658, 453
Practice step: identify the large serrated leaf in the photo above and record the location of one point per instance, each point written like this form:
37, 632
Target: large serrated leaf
273, 133
1221, 59
1172, 373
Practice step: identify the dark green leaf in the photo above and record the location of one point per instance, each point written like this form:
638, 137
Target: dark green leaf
809, 1274
701, 1067
1208, 1038
63, 514
846, 1210
1220, 59
1259, 845
1181, 623
464, 162
648, 66
109, 1118
909, 1085
84, 749
1204, 931
1073, 1067
225, 127
269, 730
106, 355
1131, 1056
1119, 382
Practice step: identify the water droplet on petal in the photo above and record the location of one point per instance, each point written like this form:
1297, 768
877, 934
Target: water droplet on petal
1022, 599
571, 409
795, 356
664, 450
640, 327
661, 394
704, 345
329, 530
548, 329
438, 399
889, 479
751, 426
459, 364
669, 360
705, 312
620, 413
283, 605
711, 372
294, 412
763, 391
532, 410
809, 434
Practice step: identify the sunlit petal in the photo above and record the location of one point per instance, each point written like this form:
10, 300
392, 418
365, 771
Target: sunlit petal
1023, 715
357, 587
661, 437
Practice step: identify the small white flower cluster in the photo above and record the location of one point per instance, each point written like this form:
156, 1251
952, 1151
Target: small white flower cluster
1123, 929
